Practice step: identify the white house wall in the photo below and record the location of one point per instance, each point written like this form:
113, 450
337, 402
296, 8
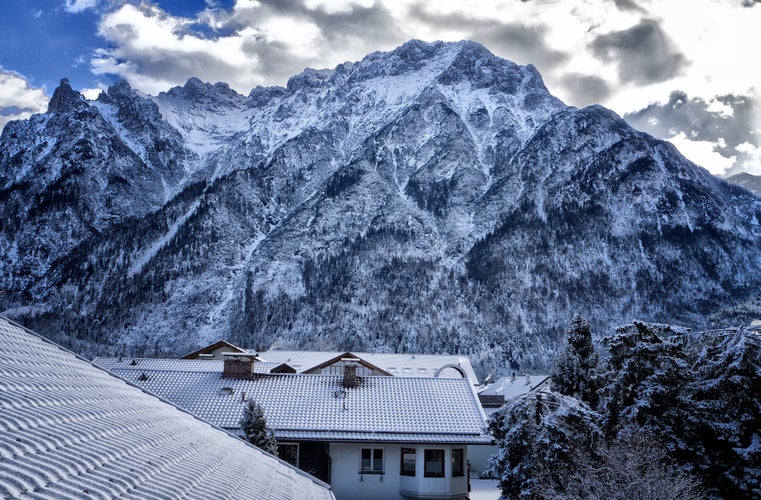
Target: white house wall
348, 483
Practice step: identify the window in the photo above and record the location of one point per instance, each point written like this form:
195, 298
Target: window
408, 462
288, 452
458, 462
434, 463
372, 461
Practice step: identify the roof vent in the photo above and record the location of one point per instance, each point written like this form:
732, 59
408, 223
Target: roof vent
238, 365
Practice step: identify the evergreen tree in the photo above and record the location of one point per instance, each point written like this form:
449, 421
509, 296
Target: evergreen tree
254, 427
575, 368
727, 392
539, 435
645, 391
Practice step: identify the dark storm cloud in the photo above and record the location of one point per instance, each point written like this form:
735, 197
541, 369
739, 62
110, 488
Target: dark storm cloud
515, 41
643, 53
586, 89
374, 25
369, 28
692, 116
628, 5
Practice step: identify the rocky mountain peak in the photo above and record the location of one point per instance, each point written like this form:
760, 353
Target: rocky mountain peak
197, 91
431, 198
308, 78
65, 99
119, 89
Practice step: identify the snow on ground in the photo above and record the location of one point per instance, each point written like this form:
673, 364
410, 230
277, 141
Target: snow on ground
484, 489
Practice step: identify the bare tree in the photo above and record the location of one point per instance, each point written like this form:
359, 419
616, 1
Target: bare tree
635, 467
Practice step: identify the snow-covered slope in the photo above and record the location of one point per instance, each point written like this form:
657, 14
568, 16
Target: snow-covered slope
433, 198
750, 182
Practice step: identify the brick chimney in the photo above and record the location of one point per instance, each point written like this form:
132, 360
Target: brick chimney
238, 365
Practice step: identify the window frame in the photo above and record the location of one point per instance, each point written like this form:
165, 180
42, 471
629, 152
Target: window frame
459, 471
436, 455
373, 461
283, 457
402, 471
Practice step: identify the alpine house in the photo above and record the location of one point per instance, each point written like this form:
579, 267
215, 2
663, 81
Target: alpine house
71, 430
351, 423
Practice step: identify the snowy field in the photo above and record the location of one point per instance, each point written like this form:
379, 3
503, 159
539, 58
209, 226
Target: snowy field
484, 489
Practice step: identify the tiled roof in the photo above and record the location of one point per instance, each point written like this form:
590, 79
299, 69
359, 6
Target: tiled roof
212, 347
185, 365
392, 409
71, 430
511, 389
400, 365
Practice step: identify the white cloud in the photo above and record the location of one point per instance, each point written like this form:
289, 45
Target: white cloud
76, 6
155, 51
702, 153
581, 47
18, 100
753, 154
93, 93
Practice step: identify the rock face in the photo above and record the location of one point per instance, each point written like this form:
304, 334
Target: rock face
433, 198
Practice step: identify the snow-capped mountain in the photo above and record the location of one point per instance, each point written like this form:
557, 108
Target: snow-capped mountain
433, 198
749, 181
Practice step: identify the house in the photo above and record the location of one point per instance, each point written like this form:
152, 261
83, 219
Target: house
71, 430
508, 388
349, 422
396, 364
214, 351
492, 397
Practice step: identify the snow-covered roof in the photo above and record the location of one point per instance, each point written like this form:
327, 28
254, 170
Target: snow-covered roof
71, 430
209, 349
511, 389
185, 365
312, 407
399, 365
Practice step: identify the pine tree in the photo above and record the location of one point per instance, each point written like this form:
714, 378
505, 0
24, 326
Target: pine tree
254, 427
538, 435
727, 393
646, 376
575, 368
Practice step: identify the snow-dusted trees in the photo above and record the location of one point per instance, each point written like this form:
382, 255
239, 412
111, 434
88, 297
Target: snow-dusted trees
539, 435
575, 368
645, 377
696, 399
727, 393
634, 467
254, 427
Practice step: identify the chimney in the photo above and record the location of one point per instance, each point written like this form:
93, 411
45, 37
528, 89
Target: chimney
238, 365
350, 372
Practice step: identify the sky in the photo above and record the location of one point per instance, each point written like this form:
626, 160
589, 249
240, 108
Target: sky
682, 70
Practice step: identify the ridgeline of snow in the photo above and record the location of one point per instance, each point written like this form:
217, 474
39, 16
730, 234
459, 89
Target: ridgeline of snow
432, 198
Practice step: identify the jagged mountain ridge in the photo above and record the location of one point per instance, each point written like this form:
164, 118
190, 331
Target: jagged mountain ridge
433, 198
